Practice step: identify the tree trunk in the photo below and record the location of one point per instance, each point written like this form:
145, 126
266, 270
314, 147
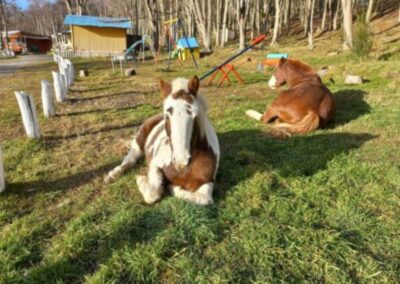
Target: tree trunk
242, 11
3, 15
218, 23
226, 8
201, 25
335, 18
310, 25
347, 24
323, 22
209, 22
369, 11
277, 22
69, 6
289, 8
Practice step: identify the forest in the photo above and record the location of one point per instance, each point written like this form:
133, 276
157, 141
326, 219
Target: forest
214, 22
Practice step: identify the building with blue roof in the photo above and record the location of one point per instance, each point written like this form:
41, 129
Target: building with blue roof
98, 34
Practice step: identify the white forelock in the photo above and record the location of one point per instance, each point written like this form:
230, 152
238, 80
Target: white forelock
180, 84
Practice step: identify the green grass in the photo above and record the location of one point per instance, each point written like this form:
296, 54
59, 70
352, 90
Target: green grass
322, 207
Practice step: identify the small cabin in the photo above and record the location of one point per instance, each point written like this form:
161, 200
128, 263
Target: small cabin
93, 34
186, 45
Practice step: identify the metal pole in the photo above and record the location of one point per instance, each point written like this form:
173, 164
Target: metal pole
254, 43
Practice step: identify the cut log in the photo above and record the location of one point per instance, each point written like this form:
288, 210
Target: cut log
2, 175
353, 80
28, 113
58, 87
130, 72
47, 99
83, 73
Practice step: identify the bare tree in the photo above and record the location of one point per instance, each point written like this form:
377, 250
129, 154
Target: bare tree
277, 22
369, 11
310, 23
242, 12
336, 16
324, 15
347, 24
224, 21
4, 21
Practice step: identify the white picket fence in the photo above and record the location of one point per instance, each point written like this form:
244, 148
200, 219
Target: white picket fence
86, 54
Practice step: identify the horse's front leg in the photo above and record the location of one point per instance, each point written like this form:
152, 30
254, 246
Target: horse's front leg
151, 186
202, 196
134, 154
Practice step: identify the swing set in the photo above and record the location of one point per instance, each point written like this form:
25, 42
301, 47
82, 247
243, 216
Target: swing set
170, 32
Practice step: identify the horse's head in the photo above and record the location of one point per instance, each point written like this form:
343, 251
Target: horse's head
180, 110
278, 78
289, 71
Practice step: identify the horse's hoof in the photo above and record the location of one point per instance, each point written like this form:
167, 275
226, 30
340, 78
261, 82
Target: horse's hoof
108, 179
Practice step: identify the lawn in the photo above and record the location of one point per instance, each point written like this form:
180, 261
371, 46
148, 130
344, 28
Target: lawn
322, 207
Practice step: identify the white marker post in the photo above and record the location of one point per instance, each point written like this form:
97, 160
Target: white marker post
28, 113
2, 176
71, 71
58, 87
47, 99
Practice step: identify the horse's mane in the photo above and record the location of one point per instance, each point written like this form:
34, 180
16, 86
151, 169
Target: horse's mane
301, 65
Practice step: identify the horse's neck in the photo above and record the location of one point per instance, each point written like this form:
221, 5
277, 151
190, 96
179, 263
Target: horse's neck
295, 77
203, 129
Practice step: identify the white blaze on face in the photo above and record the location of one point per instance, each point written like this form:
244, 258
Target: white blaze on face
181, 116
272, 82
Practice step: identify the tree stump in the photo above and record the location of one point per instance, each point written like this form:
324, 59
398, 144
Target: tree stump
28, 113
130, 72
47, 99
83, 73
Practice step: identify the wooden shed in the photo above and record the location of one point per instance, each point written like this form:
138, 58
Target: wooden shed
98, 34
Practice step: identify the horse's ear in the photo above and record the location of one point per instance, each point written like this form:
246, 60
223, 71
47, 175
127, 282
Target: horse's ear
165, 88
281, 61
193, 85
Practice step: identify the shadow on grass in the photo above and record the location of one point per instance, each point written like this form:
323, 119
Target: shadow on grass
90, 111
62, 184
92, 132
350, 105
74, 100
245, 152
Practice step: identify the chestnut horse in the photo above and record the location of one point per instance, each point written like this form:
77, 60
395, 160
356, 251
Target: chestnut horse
305, 106
180, 146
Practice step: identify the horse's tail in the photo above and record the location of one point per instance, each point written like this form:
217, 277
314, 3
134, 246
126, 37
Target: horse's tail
254, 114
309, 123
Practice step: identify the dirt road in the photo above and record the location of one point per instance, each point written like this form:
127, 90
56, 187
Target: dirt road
21, 62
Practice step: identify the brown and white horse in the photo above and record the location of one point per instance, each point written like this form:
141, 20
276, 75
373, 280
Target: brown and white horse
305, 106
180, 146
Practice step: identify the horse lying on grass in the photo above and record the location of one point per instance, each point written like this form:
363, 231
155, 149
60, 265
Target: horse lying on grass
180, 146
305, 106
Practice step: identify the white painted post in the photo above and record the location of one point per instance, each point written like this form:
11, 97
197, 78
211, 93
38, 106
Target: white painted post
2, 176
28, 113
47, 99
71, 71
58, 87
